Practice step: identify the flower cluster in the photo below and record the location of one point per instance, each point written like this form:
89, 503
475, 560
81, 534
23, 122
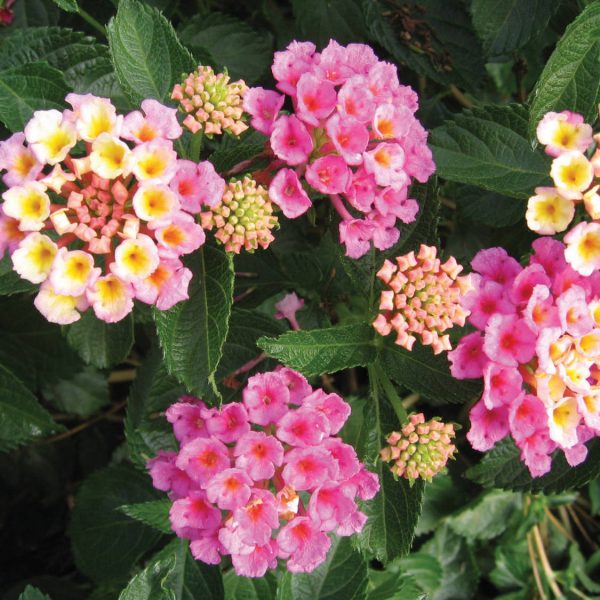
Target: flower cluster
421, 449
213, 104
352, 136
538, 350
98, 208
265, 478
422, 297
244, 217
552, 209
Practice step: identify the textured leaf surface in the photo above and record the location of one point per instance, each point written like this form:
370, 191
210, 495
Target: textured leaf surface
68, 5
31, 593
22, 418
489, 148
28, 88
173, 574
249, 588
192, 333
507, 25
154, 513
570, 78
101, 344
342, 575
106, 542
323, 350
148, 57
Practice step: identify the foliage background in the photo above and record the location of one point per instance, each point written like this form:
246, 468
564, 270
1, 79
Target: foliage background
80, 406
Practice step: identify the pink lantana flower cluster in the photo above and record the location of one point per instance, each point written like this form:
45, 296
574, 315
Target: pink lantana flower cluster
420, 449
575, 173
265, 478
538, 350
99, 209
352, 136
421, 296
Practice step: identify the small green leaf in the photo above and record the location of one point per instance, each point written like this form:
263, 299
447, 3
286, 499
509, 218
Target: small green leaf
342, 575
570, 78
101, 344
489, 148
192, 333
68, 5
28, 88
22, 419
154, 513
106, 542
148, 57
173, 574
31, 593
323, 350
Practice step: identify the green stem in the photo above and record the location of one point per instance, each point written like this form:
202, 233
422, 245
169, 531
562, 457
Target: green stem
196, 146
91, 21
390, 392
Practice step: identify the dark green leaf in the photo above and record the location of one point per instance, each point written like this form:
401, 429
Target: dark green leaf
148, 57
507, 26
192, 333
68, 5
247, 54
246, 588
570, 78
489, 148
34, 13
21, 417
227, 158
423, 568
342, 575
106, 542
101, 344
479, 206
31, 593
10, 281
323, 350
28, 88
173, 574
154, 513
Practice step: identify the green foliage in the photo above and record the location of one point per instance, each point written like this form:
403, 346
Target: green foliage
32, 593
154, 513
246, 588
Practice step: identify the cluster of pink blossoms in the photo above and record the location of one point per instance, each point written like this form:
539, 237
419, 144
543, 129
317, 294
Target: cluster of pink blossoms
538, 350
575, 175
99, 209
352, 136
265, 478
424, 299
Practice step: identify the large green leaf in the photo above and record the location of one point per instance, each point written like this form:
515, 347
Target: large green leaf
173, 574
501, 467
508, 25
22, 419
154, 513
571, 77
148, 57
247, 54
489, 147
101, 344
106, 542
342, 575
28, 88
249, 588
489, 208
394, 512
192, 333
323, 350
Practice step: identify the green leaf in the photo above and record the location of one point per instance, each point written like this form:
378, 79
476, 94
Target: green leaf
570, 79
488, 517
10, 281
101, 344
148, 57
107, 543
192, 333
28, 88
247, 588
423, 568
154, 513
394, 512
501, 467
341, 20
33, 13
441, 43
173, 574
247, 54
323, 350
512, 567
342, 575
31, 593
489, 147
227, 158
507, 26
489, 208
22, 419
68, 5
426, 373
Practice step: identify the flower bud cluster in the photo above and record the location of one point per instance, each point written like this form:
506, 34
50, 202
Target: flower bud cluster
420, 449
265, 478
